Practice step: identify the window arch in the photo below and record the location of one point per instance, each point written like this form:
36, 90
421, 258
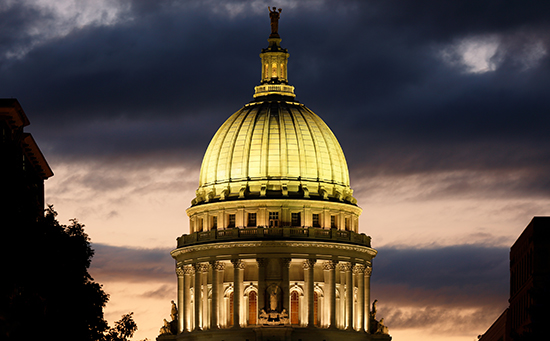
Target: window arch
295, 308
252, 308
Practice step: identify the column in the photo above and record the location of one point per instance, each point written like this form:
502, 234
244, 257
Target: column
188, 271
309, 265
197, 292
262, 262
349, 296
342, 320
285, 287
181, 299
238, 269
215, 306
330, 292
360, 272
368, 272
204, 316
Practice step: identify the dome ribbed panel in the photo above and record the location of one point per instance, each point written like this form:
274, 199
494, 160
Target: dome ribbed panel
274, 140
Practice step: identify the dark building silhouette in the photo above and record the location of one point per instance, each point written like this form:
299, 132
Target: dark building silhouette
528, 312
23, 168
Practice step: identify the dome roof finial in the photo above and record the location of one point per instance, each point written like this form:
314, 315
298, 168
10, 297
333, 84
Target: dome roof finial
274, 16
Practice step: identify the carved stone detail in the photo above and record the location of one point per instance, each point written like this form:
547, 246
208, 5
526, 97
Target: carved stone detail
309, 263
345, 266
188, 270
217, 265
359, 268
180, 272
238, 263
330, 265
368, 270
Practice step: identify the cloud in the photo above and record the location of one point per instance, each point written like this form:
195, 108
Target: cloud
456, 290
124, 264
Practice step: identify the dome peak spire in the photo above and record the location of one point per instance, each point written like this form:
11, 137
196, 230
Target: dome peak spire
274, 63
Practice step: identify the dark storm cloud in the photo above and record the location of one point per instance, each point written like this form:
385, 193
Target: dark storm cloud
441, 289
384, 75
473, 274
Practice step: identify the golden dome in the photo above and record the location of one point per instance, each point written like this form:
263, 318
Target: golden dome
271, 149
274, 147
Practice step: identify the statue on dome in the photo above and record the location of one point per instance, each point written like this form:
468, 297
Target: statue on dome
377, 327
274, 16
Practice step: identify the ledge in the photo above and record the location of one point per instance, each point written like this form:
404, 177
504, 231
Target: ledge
275, 233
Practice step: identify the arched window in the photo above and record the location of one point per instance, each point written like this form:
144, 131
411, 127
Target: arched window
252, 308
294, 308
316, 308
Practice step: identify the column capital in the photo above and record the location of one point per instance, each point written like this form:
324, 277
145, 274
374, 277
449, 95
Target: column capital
368, 270
200, 267
345, 266
238, 264
180, 272
216, 265
309, 263
261, 262
188, 270
330, 265
359, 268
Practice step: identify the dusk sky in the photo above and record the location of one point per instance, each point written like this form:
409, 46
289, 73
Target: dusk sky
441, 107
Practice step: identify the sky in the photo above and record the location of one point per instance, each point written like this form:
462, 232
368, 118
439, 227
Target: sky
441, 109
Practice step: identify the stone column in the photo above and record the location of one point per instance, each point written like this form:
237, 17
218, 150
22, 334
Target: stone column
204, 315
181, 299
309, 265
360, 272
330, 292
368, 272
215, 306
197, 293
262, 263
238, 269
188, 271
285, 287
349, 296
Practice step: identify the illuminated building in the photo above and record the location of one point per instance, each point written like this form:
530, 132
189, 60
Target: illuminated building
274, 251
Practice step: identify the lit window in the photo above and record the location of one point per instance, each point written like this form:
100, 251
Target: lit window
252, 308
251, 219
316, 220
294, 308
231, 221
274, 70
273, 219
296, 221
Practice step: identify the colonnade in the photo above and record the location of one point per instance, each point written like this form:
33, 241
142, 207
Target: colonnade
204, 302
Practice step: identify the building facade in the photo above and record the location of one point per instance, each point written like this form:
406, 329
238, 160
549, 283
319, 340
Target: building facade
529, 309
274, 250
23, 168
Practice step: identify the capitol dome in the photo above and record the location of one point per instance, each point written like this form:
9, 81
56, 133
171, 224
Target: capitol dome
274, 147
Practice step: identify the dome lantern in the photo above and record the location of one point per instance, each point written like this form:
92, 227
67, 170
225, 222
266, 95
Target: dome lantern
274, 64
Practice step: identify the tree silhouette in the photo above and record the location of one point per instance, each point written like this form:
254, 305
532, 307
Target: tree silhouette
46, 288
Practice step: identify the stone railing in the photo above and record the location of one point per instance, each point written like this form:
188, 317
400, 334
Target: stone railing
255, 233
